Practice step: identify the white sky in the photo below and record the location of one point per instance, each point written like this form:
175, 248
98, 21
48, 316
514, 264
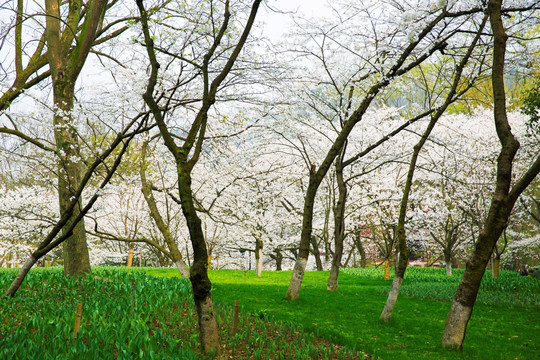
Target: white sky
276, 24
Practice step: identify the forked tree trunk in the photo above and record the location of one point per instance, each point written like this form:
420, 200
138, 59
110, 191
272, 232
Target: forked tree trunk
503, 199
339, 226
317, 254
187, 155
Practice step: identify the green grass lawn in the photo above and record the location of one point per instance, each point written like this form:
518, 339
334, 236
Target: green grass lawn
154, 318
350, 315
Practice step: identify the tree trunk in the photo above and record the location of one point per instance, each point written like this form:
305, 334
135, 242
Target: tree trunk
496, 267
200, 283
386, 270
448, 266
163, 227
317, 254
75, 249
279, 260
339, 226
130, 255
20, 276
448, 263
361, 250
65, 63
503, 199
258, 256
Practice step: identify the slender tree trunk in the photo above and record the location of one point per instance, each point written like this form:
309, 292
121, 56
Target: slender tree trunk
258, 256
163, 228
317, 254
503, 199
361, 250
130, 255
20, 276
496, 267
339, 226
386, 269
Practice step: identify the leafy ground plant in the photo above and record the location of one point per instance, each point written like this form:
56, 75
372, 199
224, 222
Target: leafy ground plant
128, 314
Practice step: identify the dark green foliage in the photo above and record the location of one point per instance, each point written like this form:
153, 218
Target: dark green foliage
38, 322
531, 107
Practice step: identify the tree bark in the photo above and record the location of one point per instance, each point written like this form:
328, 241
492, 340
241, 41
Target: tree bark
130, 255
75, 249
200, 283
361, 250
496, 267
20, 276
339, 225
448, 263
503, 199
258, 256
278, 257
317, 254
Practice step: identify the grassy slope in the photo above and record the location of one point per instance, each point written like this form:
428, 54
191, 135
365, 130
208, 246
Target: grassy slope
350, 316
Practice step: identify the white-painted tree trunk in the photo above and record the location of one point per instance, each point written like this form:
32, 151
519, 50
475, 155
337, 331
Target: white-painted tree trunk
182, 268
391, 300
296, 279
456, 325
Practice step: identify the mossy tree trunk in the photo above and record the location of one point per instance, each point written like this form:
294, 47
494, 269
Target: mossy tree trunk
186, 155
